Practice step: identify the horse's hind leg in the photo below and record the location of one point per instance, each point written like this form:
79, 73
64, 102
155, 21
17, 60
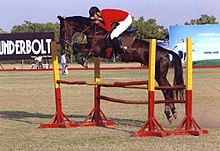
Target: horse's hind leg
163, 82
173, 109
168, 106
161, 73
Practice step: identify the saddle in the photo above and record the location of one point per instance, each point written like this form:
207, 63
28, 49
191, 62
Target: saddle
130, 32
127, 33
126, 39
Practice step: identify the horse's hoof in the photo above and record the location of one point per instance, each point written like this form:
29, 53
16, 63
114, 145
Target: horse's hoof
170, 119
175, 115
118, 58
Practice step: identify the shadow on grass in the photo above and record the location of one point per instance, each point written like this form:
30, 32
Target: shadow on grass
126, 122
23, 116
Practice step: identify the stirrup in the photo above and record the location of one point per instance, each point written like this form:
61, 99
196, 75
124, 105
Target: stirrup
85, 64
124, 49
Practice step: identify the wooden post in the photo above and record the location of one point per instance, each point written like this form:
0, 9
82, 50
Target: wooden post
154, 128
59, 120
97, 89
188, 82
97, 114
190, 124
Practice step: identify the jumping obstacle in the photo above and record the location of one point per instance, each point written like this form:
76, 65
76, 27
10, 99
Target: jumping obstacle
191, 126
59, 120
151, 127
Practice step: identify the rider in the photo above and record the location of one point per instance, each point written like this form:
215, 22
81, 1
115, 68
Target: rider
109, 16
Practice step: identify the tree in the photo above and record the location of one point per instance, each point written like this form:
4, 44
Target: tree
149, 29
28, 26
2, 31
204, 19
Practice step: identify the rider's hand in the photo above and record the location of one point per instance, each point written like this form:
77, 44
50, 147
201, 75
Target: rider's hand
97, 21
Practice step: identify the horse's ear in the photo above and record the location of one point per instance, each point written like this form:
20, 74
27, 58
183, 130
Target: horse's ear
60, 18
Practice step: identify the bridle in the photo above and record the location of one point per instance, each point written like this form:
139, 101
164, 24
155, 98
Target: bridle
73, 30
67, 40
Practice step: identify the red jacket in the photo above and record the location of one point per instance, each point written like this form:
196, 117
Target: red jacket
111, 15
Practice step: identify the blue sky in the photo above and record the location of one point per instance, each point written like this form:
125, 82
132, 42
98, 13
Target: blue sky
166, 12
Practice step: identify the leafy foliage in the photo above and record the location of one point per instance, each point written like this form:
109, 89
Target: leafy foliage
149, 29
204, 19
28, 26
2, 31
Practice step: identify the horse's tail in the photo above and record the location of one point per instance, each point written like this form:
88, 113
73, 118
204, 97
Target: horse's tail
178, 75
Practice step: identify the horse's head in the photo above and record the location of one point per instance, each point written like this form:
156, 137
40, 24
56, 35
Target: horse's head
71, 25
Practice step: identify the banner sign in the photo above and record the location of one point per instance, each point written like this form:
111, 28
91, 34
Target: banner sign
206, 40
25, 45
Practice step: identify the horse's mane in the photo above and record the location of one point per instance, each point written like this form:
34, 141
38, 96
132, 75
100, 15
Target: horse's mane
79, 19
84, 20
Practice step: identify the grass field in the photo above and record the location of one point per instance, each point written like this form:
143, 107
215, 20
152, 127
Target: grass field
27, 100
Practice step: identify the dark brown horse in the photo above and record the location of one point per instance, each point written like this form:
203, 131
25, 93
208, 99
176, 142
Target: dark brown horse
93, 43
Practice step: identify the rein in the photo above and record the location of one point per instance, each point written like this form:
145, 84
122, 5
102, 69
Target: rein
74, 29
93, 41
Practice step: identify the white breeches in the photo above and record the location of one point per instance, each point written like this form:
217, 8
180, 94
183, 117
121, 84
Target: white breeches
123, 25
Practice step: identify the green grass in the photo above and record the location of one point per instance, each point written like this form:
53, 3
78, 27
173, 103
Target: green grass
27, 100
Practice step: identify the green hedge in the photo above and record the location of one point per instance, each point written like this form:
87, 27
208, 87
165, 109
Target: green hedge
214, 62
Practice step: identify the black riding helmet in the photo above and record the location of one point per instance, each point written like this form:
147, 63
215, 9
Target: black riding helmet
93, 10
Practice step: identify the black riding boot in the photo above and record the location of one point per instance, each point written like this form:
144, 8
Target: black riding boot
117, 46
